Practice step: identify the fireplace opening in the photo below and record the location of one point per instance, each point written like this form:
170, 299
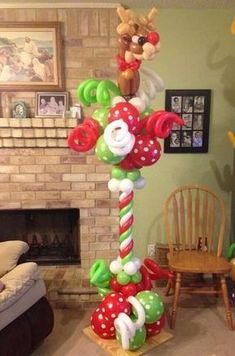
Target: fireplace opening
53, 235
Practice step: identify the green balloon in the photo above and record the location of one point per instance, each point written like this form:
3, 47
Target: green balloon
101, 115
104, 291
86, 91
104, 154
123, 278
118, 173
136, 278
138, 339
79, 92
152, 304
104, 89
231, 251
133, 175
146, 112
100, 274
90, 89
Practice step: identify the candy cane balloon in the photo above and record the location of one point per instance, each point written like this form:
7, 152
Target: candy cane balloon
126, 227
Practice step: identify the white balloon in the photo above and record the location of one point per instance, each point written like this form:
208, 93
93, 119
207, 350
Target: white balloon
118, 138
137, 262
143, 96
151, 85
121, 327
139, 183
115, 133
126, 185
114, 185
139, 311
118, 99
130, 268
157, 80
129, 323
115, 267
150, 88
122, 151
138, 103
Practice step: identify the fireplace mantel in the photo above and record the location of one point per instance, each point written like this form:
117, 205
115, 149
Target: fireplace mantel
35, 132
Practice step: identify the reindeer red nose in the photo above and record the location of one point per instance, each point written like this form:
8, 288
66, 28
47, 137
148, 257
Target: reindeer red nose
153, 38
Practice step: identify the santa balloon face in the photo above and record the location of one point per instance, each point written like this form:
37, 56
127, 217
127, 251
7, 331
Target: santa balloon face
126, 112
146, 151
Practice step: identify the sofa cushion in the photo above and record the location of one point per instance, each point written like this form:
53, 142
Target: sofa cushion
17, 282
10, 251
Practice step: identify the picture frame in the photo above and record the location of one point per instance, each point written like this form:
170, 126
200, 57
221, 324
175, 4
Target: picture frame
31, 56
51, 104
193, 106
19, 110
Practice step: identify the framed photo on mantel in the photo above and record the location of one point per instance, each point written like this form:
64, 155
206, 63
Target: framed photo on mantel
30, 56
194, 108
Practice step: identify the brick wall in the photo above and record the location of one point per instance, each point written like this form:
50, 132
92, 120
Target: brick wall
89, 45
37, 170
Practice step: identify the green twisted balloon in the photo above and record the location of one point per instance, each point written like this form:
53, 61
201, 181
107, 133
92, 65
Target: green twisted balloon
86, 91
104, 91
100, 277
92, 91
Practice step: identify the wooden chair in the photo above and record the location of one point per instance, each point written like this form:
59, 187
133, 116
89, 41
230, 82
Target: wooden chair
194, 220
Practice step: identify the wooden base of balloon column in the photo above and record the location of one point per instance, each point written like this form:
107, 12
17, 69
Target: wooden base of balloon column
113, 347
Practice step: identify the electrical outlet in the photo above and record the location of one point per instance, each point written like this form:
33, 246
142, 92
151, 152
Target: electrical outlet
151, 250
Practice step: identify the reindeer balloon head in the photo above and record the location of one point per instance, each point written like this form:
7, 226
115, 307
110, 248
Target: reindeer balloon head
137, 41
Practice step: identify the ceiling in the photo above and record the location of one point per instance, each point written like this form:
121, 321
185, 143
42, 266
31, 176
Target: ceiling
198, 4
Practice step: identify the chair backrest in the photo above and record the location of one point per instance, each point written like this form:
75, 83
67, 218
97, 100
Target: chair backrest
194, 218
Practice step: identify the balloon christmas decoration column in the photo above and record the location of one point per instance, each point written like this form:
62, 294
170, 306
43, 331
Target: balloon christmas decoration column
125, 133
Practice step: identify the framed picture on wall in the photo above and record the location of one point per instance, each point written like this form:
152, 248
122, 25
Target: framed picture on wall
51, 104
30, 56
194, 108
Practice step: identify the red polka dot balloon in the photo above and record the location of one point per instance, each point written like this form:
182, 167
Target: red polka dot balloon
101, 325
113, 304
128, 164
146, 150
155, 328
129, 289
115, 285
127, 113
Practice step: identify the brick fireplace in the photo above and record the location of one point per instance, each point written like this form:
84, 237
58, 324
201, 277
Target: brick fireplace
53, 235
38, 171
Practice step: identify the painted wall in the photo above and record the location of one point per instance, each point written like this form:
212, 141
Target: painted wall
198, 52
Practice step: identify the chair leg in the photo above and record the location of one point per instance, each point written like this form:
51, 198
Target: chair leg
226, 302
216, 284
168, 287
175, 301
